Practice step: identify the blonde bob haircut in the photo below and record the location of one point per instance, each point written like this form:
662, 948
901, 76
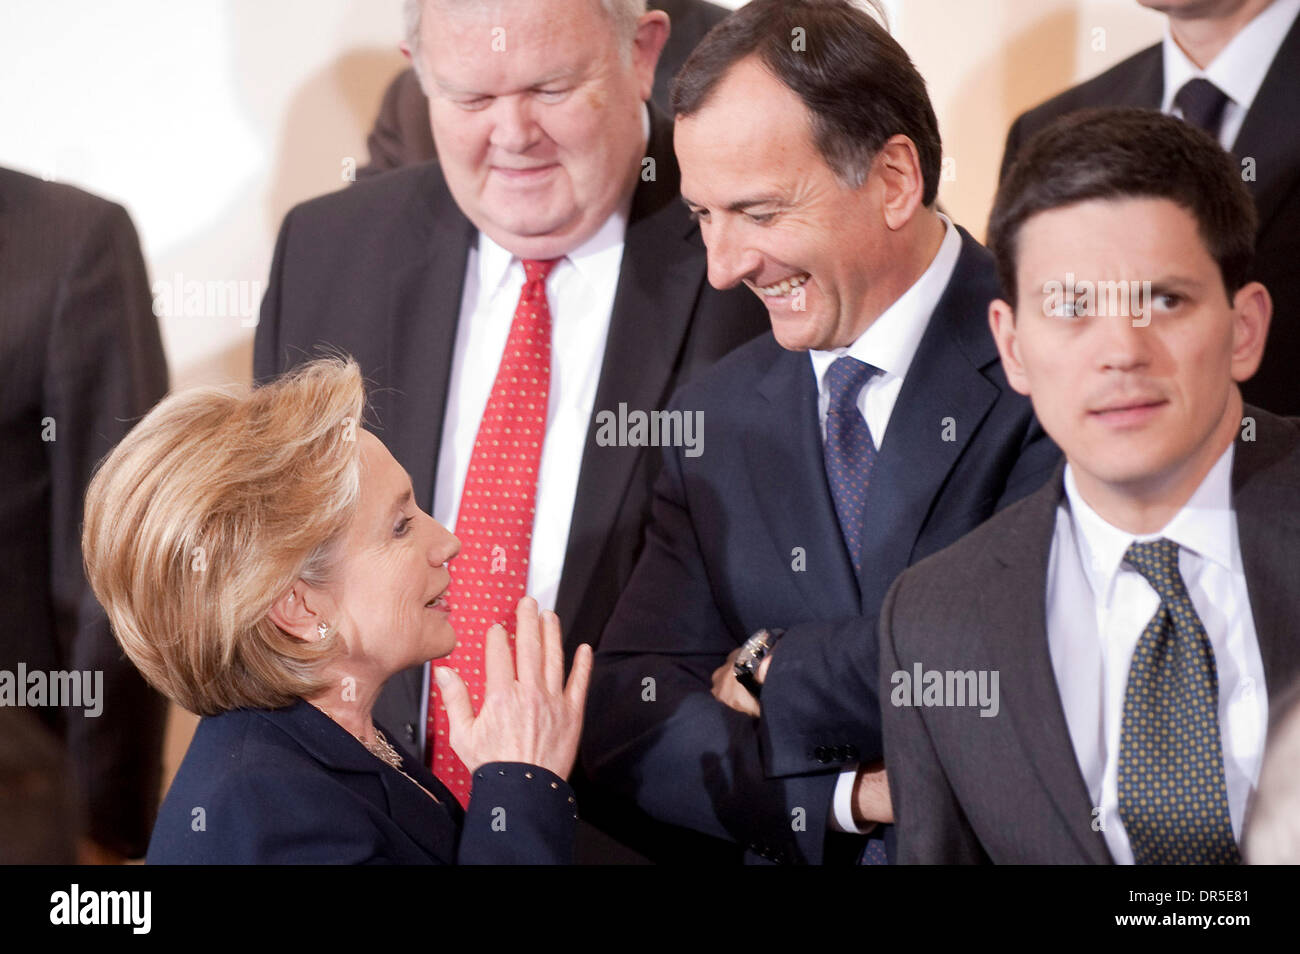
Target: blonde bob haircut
206, 513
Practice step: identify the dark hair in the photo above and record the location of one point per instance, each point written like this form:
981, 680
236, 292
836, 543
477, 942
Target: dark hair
859, 85
1127, 153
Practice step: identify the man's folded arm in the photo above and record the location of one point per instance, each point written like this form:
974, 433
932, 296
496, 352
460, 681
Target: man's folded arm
655, 733
820, 707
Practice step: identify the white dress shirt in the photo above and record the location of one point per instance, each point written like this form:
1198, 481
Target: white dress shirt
889, 344
1097, 609
1239, 68
580, 291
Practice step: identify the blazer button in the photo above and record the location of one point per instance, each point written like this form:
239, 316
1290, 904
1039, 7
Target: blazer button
850, 753
820, 755
410, 731
841, 753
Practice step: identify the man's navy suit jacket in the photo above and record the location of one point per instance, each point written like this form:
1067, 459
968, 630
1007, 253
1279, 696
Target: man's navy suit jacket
744, 536
291, 786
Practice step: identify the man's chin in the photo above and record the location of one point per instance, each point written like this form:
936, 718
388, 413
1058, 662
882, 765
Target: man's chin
1133, 469
795, 333
534, 237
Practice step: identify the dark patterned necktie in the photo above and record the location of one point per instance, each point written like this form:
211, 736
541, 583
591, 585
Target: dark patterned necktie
1202, 104
1173, 798
849, 450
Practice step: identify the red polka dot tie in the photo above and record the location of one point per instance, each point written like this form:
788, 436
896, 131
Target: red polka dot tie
495, 520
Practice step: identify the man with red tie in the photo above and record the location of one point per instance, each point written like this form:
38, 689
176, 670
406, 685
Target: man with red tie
542, 271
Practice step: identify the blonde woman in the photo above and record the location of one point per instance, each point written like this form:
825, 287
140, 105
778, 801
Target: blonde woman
264, 565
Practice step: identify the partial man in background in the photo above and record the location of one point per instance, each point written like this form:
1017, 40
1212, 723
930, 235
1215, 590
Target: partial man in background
1139, 611
402, 137
734, 692
506, 301
82, 361
1232, 68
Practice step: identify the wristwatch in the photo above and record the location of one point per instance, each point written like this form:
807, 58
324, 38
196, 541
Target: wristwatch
752, 654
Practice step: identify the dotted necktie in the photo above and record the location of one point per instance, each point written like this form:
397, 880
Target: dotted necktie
850, 452
1202, 104
1172, 795
495, 520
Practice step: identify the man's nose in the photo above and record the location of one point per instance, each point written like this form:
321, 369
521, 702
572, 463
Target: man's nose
730, 260
1124, 345
513, 127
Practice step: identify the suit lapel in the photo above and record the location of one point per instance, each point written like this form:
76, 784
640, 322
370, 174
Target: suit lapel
662, 271
436, 831
1145, 85
1269, 135
793, 494
1268, 529
944, 381
432, 828
1016, 633
424, 296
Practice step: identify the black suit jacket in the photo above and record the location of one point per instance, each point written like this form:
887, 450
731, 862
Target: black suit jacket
1008, 789
745, 536
1271, 137
291, 786
377, 270
82, 360
401, 135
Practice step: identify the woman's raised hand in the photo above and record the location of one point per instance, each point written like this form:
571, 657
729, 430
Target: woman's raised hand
528, 713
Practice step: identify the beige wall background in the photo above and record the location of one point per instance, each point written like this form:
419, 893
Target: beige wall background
210, 119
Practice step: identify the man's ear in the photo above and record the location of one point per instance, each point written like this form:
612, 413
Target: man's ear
648, 42
1002, 322
1252, 308
898, 165
297, 612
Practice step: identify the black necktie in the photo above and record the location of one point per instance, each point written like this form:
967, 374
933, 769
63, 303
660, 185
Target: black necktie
1202, 103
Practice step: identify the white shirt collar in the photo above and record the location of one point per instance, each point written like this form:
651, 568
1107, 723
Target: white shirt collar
890, 342
1241, 66
596, 256
1204, 526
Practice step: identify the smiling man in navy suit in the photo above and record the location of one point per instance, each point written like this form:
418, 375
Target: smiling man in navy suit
873, 427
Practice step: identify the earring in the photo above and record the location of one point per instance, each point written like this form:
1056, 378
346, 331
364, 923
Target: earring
323, 630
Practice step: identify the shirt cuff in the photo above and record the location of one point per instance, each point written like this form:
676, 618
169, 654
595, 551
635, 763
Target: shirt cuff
841, 817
